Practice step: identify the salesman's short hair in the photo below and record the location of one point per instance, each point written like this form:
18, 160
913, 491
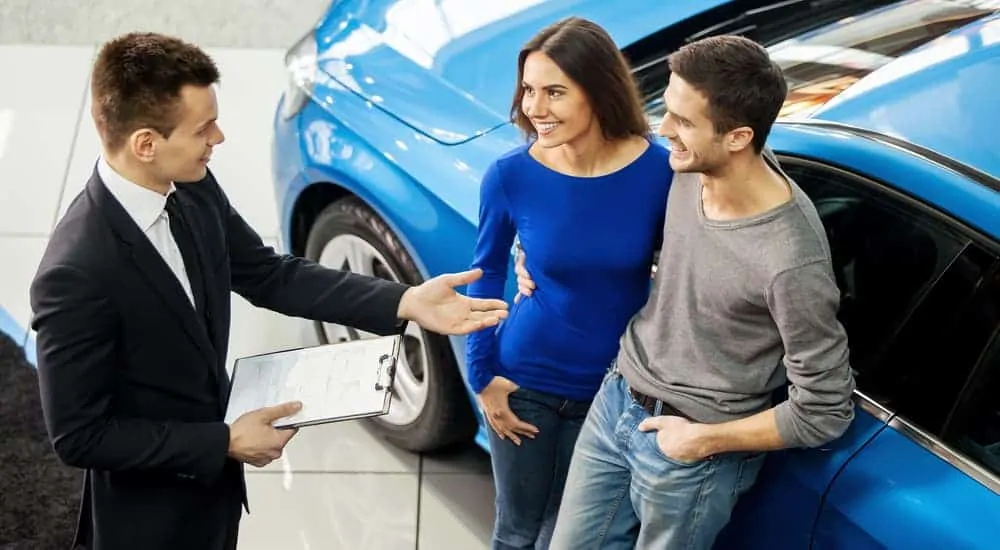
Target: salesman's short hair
136, 83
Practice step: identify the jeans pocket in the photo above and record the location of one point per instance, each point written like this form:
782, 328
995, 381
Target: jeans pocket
746, 475
527, 404
522, 394
515, 399
650, 438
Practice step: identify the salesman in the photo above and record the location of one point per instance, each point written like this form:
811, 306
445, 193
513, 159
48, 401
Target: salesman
132, 308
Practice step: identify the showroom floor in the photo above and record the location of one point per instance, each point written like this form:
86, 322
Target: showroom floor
338, 486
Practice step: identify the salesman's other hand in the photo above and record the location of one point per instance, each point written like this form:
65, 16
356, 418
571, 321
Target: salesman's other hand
254, 440
436, 306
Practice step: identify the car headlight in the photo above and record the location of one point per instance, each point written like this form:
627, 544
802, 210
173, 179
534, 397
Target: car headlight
301, 64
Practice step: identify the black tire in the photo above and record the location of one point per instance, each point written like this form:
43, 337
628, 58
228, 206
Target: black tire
446, 417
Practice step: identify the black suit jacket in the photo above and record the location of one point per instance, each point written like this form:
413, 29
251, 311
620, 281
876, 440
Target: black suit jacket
133, 379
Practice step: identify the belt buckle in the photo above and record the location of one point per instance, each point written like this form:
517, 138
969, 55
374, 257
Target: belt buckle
645, 401
649, 403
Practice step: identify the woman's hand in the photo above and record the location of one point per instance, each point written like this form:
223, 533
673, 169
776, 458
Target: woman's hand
495, 402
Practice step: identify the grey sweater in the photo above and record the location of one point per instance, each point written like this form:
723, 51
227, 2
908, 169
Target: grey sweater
735, 308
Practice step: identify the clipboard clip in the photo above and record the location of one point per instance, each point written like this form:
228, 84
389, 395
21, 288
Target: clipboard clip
386, 372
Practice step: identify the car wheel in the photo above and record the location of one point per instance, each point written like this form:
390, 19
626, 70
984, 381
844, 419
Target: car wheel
430, 408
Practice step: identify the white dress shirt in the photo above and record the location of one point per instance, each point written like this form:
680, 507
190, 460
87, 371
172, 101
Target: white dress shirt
147, 209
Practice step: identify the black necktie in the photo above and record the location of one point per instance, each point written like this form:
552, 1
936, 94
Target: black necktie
185, 242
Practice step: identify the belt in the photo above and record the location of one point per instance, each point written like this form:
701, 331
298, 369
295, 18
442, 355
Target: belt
649, 403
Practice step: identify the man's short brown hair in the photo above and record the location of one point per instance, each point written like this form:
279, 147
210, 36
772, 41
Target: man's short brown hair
744, 87
136, 83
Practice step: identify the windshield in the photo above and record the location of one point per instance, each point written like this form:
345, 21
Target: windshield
821, 62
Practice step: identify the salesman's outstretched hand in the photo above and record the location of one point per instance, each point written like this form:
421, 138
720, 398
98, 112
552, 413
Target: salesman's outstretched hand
436, 306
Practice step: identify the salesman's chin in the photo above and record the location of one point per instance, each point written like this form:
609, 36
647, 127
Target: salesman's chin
195, 175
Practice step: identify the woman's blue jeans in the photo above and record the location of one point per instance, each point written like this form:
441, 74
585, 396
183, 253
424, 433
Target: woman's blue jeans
530, 478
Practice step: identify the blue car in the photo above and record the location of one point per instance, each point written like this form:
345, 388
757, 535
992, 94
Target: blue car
394, 108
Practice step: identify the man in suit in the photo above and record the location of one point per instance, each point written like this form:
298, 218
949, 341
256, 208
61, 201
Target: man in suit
132, 311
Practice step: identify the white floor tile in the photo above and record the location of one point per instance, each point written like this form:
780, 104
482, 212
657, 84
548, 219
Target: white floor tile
331, 512
40, 105
342, 447
467, 460
21, 256
456, 511
251, 83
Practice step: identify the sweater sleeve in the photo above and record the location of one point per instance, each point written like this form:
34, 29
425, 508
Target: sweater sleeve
804, 302
492, 255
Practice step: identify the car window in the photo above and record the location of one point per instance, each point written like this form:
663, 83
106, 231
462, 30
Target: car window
908, 283
823, 47
975, 428
930, 360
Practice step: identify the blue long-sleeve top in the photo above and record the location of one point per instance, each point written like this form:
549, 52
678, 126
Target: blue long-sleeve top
589, 244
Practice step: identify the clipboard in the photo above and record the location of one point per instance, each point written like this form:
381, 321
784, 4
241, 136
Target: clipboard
334, 382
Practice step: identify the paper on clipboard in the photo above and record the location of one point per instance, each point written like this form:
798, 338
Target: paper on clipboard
334, 382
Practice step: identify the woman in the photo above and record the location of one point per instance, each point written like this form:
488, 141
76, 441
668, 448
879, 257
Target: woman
586, 196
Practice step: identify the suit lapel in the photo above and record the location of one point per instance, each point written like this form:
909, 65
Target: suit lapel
152, 267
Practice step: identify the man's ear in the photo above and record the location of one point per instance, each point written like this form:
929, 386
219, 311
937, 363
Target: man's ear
142, 144
739, 139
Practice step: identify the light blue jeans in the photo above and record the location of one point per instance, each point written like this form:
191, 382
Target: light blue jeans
622, 491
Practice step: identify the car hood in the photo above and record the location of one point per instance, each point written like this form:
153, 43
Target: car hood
447, 68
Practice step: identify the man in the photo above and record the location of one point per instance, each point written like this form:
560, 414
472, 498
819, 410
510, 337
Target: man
744, 298
132, 311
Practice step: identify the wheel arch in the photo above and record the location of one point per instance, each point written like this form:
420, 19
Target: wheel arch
308, 205
311, 201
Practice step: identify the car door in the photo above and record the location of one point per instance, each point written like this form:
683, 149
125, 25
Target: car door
920, 305
911, 284
912, 489
781, 509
